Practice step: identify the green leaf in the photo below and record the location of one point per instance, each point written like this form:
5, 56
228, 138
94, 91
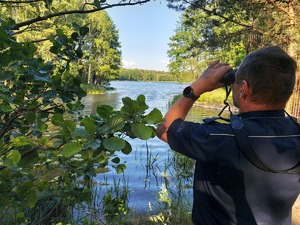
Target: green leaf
5, 108
48, 3
114, 143
81, 132
97, 4
75, 25
104, 111
116, 160
127, 149
83, 30
13, 157
79, 52
20, 141
30, 117
75, 36
154, 116
120, 168
116, 123
30, 198
57, 119
89, 125
4, 36
6, 75
142, 106
45, 79
93, 144
71, 149
128, 107
70, 125
142, 131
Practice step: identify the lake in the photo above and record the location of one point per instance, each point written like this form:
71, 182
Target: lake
152, 168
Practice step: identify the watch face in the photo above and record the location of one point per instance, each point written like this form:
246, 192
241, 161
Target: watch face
187, 91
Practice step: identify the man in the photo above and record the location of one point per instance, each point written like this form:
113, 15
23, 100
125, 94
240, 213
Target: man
229, 185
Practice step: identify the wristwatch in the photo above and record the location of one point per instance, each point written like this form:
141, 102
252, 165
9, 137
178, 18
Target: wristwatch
188, 93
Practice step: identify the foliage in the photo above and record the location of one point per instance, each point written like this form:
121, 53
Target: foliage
102, 59
144, 75
115, 202
47, 148
229, 30
100, 47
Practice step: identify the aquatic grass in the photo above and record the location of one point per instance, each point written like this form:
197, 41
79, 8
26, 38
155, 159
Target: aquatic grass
49, 209
213, 98
92, 89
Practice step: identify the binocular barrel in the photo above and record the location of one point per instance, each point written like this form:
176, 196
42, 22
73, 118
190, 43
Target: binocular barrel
229, 77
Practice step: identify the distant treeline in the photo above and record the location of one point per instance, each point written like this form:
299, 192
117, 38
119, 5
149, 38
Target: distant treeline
145, 75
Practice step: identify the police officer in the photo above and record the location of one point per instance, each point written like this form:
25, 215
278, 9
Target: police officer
247, 171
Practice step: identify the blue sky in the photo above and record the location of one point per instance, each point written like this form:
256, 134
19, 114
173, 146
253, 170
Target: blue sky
144, 33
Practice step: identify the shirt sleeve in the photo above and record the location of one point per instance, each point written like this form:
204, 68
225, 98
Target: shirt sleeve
186, 138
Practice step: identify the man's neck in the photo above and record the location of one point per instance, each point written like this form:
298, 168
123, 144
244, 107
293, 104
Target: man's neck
250, 107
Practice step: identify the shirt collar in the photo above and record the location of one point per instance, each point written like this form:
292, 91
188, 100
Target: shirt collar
266, 113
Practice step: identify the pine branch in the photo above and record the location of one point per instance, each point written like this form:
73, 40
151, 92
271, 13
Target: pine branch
278, 6
228, 19
51, 15
19, 2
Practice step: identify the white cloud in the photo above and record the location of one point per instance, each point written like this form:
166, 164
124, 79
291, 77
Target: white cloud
128, 64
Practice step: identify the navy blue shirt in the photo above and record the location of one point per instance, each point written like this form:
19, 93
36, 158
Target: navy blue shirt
228, 188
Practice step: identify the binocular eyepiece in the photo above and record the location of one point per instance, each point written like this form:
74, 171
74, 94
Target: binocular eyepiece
229, 77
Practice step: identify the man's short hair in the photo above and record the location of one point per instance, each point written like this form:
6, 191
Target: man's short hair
270, 73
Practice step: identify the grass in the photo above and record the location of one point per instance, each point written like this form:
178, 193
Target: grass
215, 97
92, 89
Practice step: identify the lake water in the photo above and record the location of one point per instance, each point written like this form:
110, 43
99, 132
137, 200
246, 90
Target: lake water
151, 166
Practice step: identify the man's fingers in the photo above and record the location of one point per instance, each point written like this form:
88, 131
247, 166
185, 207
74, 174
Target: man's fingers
213, 63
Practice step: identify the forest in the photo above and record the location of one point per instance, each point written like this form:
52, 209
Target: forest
49, 48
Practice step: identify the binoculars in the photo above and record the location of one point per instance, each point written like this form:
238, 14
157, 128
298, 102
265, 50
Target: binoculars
229, 77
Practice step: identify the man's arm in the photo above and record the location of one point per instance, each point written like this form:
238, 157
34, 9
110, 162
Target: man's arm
208, 81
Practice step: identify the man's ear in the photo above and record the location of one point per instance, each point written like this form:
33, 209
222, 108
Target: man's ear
245, 90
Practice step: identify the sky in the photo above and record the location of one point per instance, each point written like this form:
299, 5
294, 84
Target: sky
144, 33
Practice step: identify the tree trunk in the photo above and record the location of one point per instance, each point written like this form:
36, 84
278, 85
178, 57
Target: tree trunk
293, 104
89, 80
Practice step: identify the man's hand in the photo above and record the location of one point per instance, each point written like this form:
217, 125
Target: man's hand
208, 81
211, 77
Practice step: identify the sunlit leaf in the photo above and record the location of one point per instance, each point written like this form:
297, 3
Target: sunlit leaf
71, 149
116, 123
142, 131
14, 156
120, 168
20, 141
155, 116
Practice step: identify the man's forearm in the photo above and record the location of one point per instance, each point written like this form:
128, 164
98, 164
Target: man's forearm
208, 81
178, 111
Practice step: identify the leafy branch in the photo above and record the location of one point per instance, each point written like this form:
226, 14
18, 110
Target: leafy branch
99, 8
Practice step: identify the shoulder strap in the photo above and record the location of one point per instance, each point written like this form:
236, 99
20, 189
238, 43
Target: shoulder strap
242, 139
